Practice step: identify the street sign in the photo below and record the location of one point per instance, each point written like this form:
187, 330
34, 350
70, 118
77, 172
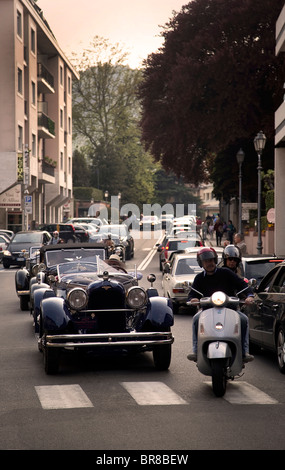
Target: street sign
28, 204
271, 216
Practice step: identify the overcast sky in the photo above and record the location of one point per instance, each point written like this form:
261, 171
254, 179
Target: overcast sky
134, 24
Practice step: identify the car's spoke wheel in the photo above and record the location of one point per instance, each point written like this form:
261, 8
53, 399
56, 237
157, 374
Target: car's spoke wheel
280, 347
51, 360
162, 356
24, 302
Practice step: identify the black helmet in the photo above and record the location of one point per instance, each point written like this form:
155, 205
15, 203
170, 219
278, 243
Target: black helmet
206, 253
232, 251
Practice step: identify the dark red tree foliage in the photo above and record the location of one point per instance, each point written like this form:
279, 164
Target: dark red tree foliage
213, 85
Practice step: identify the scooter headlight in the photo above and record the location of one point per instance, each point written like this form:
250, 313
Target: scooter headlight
218, 298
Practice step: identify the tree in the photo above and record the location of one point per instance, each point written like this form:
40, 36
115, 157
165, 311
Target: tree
212, 86
105, 117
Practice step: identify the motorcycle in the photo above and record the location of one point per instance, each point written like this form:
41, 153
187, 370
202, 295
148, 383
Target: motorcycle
219, 351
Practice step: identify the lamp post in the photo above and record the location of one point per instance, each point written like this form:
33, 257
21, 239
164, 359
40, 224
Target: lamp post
106, 194
259, 144
240, 159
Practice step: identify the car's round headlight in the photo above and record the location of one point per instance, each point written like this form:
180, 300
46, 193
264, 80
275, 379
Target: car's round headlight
219, 298
77, 298
136, 297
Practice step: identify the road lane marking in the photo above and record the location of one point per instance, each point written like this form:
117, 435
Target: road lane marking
62, 396
153, 393
243, 393
145, 262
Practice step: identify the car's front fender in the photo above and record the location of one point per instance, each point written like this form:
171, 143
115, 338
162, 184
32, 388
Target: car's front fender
22, 280
54, 315
159, 312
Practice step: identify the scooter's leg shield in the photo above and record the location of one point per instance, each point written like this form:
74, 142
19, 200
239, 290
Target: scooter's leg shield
218, 350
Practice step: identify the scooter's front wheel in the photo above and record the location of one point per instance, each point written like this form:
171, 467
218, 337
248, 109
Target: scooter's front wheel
219, 379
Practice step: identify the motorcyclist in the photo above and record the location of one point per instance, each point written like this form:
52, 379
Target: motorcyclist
232, 259
213, 279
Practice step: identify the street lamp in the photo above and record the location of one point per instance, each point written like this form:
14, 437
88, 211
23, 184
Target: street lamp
106, 195
259, 144
240, 159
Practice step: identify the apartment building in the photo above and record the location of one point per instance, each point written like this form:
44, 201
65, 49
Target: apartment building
35, 119
279, 235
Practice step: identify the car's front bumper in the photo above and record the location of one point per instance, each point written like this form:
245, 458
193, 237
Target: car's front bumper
147, 339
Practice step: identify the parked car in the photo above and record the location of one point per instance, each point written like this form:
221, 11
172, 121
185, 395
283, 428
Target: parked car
120, 233
182, 267
8, 233
149, 222
257, 266
21, 243
91, 306
266, 315
66, 231
4, 242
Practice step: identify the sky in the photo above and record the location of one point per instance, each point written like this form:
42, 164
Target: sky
134, 24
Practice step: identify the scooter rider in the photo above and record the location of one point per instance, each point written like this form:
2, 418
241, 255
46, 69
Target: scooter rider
213, 279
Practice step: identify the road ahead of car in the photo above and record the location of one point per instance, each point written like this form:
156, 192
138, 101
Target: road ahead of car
124, 403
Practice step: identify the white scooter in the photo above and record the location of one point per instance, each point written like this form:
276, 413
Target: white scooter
219, 349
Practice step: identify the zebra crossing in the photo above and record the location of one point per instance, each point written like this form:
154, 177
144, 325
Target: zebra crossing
145, 394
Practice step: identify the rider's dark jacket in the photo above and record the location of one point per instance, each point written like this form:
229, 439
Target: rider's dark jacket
222, 280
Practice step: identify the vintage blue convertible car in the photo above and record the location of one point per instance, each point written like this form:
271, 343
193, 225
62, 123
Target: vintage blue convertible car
84, 303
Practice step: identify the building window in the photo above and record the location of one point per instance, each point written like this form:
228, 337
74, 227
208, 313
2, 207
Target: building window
34, 93
20, 81
61, 160
69, 165
20, 138
19, 24
61, 74
61, 118
69, 125
69, 85
33, 40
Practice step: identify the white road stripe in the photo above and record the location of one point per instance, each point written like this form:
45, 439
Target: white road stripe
243, 393
150, 255
62, 396
153, 393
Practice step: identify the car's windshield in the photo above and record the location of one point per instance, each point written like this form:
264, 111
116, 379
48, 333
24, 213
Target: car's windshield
187, 266
67, 256
258, 269
83, 266
27, 237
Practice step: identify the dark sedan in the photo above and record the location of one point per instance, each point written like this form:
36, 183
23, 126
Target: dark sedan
21, 243
267, 314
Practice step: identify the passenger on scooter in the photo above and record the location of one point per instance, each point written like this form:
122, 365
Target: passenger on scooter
213, 279
232, 259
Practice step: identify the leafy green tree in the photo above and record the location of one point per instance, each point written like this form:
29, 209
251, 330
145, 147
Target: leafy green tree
212, 86
105, 116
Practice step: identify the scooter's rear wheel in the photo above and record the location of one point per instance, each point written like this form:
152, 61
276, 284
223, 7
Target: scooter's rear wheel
219, 379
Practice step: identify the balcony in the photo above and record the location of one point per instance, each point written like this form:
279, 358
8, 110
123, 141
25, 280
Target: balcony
46, 172
45, 80
46, 126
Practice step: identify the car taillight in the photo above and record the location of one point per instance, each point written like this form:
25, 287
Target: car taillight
165, 250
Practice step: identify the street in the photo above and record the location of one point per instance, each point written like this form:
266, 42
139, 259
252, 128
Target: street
124, 403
